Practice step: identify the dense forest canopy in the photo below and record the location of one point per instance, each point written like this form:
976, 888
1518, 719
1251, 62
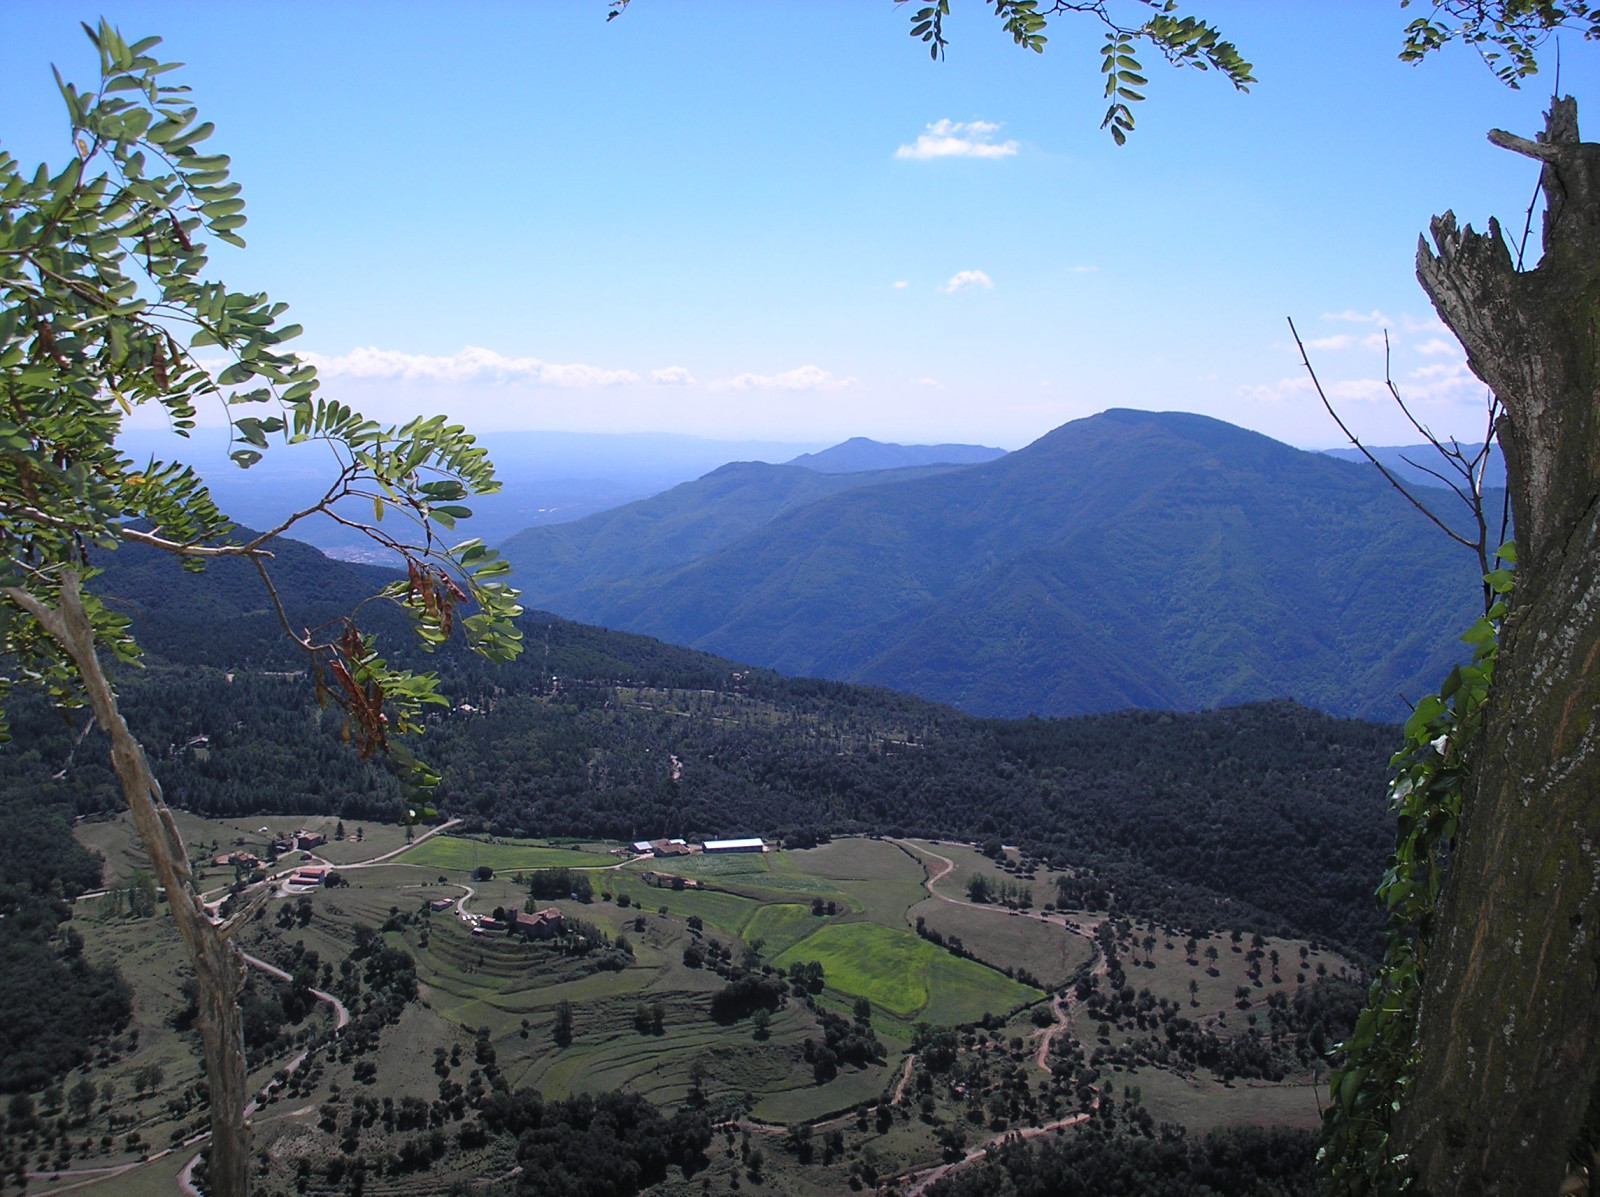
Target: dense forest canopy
1266, 815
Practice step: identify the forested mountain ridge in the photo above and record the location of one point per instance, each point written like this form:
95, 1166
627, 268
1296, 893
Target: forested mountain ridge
1268, 814
1161, 560
863, 453
557, 564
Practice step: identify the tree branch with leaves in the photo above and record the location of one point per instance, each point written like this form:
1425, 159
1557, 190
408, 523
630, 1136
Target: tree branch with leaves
104, 308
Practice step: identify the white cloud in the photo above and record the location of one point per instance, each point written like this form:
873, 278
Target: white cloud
901, 285
802, 378
1372, 317
671, 376
1438, 347
1373, 341
469, 364
928, 382
957, 139
1085, 270
967, 280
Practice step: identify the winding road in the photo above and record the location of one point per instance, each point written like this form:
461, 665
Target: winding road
913, 1184
341, 1016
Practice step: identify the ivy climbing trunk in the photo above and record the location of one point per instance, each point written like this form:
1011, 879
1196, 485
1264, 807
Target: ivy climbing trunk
1509, 1029
219, 971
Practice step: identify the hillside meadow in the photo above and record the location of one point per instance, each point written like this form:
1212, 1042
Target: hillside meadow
488, 1006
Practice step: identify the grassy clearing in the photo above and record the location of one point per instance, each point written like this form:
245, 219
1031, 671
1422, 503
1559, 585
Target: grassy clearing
900, 973
727, 913
732, 864
1006, 940
780, 926
464, 854
850, 860
1202, 1104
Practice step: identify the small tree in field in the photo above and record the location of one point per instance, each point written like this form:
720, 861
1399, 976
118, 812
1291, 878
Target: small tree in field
103, 302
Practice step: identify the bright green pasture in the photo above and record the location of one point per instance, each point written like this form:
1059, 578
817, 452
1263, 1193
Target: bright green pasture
781, 925
461, 853
727, 913
905, 975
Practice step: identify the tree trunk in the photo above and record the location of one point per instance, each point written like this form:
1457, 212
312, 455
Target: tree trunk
1509, 1030
218, 969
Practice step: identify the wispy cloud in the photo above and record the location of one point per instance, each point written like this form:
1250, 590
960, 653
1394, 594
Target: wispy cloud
469, 364
671, 376
934, 383
968, 280
900, 285
1085, 270
1372, 317
958, 139
1439, 347
802, 378
1372, 341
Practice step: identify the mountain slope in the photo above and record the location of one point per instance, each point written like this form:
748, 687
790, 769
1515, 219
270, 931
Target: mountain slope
1132, 558
673, 528
862, 453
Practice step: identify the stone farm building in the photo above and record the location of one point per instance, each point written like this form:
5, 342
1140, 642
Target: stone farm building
543, 924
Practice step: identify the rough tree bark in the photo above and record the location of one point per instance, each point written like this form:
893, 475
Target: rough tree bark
219, 971
1509, 1030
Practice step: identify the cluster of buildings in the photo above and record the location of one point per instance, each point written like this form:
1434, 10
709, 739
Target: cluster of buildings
541, 924
684, 848
248, 860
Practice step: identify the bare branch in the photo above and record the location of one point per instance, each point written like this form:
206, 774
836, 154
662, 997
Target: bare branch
1544, 151
1365, 452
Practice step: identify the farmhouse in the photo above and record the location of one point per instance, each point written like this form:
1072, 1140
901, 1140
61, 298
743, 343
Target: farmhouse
248, 859
545, 924
440, 904
749, 845
642, 847
307, 877
306, 840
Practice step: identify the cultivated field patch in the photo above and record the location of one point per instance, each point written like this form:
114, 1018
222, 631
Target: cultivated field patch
897, 971
465, 853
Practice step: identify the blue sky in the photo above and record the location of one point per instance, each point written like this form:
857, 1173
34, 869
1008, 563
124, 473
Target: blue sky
699, 218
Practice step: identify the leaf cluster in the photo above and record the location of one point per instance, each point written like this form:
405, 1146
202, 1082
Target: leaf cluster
105, 306
1182, 40
1507, 34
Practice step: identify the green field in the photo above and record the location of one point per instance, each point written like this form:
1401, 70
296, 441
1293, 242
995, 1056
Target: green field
901, 973
461, 853
780, 926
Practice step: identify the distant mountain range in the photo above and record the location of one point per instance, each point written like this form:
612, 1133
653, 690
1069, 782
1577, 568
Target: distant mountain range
860, 453
1159, 560
546, 477
1411, 463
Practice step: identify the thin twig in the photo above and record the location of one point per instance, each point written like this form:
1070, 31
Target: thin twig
1365, 452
